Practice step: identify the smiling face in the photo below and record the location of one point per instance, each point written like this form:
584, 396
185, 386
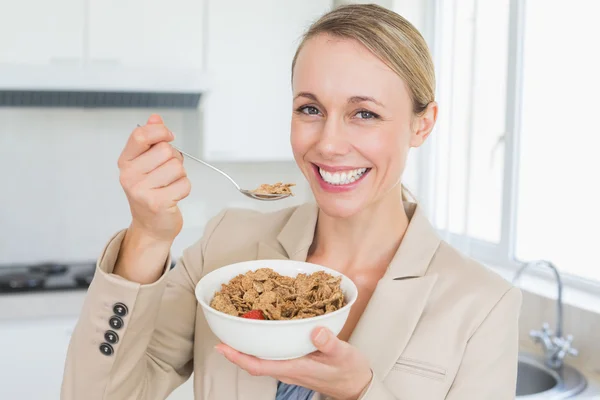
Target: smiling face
352, 125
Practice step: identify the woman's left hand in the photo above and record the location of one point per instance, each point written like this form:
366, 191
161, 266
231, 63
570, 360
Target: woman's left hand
336, 369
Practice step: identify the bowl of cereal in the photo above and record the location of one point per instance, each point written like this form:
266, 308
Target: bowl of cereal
268, 308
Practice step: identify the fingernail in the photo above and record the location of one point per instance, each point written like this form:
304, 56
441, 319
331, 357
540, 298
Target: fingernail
219, 350
321, 337
172, 135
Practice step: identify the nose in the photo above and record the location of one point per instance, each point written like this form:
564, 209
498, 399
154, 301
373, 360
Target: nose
333, 141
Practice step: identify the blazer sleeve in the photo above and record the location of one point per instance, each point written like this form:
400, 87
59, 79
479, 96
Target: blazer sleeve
489, 366
152, 339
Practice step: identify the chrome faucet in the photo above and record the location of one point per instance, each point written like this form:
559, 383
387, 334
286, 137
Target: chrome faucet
556, 346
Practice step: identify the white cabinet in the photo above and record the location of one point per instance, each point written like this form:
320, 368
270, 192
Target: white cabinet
146, 33
250, 46
34, 32
33, 357
139, 34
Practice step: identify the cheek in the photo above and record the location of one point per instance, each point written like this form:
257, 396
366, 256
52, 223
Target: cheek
303, 136
298, 142
386, 150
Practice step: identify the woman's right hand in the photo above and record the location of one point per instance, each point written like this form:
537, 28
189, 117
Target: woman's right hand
154, 180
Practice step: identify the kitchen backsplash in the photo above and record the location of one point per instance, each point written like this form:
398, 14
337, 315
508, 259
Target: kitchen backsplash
61, 199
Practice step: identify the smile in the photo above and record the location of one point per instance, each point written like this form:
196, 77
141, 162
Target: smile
342, 177
337, 179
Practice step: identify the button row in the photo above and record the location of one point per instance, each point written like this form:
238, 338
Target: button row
115, 322
120, 309
106, 349
111, 337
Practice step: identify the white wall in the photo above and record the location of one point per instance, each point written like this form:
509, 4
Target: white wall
61, 199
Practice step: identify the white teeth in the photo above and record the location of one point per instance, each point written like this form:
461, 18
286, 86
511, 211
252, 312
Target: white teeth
342, 178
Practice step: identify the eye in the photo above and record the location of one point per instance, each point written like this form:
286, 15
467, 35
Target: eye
309, 110
364, 114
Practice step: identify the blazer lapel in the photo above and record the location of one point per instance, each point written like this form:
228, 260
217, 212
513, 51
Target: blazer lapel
295, 238
270, 252
400, 298
389, 320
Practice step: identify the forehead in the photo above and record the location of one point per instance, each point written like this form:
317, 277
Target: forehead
334, 67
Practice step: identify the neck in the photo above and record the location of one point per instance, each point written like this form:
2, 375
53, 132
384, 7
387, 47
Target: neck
367, 239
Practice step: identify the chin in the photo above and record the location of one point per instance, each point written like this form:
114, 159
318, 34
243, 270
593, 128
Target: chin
338, 208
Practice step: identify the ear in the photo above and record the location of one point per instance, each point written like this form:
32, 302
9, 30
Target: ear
423, 125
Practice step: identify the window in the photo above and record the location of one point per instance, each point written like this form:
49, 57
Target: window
513, 167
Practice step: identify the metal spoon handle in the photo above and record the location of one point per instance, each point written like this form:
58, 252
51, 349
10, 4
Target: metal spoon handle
208, 165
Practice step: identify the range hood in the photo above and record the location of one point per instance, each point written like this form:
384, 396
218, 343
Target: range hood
100, 87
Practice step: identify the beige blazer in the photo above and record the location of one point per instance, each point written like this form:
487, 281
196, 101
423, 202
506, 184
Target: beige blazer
438, 326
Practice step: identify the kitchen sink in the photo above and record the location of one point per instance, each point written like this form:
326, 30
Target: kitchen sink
536, 381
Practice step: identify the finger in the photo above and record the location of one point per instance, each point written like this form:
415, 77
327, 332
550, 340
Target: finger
165, 199
327, 343
253, 365
143, 137
158, 154
166, 174
154, 119
178, 190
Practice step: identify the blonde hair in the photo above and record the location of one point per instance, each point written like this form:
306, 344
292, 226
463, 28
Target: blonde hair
392, 39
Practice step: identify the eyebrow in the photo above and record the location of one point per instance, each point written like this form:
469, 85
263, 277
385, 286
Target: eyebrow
353, 99
360, 99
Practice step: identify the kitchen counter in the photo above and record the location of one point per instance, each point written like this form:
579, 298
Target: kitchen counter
592, 390
593, 378
41, 305
38, 327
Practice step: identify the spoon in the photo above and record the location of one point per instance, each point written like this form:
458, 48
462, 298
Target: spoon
249, 193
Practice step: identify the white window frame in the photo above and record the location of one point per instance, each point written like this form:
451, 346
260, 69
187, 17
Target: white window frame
500, 256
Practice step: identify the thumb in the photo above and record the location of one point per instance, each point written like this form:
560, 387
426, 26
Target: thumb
327, 343
154, 119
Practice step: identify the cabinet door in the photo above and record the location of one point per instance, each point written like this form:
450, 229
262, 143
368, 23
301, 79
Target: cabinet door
39, 32
33, 358
250, 49
146, 33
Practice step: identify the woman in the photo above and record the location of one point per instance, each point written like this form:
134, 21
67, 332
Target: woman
429, 323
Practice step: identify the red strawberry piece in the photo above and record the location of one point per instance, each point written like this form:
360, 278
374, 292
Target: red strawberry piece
254, 314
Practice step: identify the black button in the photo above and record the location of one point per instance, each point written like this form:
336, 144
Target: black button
111, 337
106, 349
116, 322
120, 309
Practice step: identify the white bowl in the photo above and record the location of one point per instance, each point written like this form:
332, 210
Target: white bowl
270, 340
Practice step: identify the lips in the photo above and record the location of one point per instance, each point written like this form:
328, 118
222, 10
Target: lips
339, 179
342, 177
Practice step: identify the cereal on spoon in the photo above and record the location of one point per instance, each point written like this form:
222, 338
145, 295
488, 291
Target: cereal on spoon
277, 188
